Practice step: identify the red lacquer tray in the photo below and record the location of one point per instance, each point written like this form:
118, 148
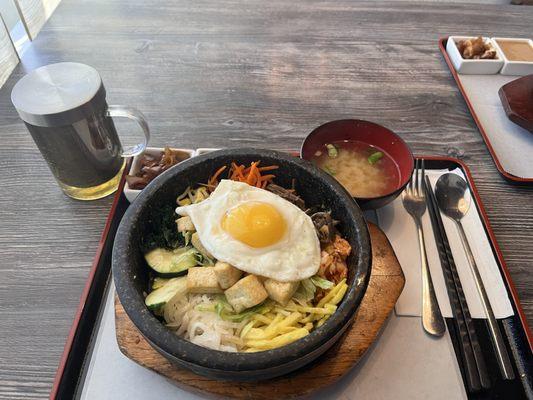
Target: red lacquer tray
73, 364
508, 176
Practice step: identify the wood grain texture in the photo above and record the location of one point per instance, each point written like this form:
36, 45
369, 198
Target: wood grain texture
35, 13
229, 73
8, 55
386, 284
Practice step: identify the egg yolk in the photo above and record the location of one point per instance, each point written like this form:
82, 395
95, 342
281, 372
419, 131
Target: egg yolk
255, 224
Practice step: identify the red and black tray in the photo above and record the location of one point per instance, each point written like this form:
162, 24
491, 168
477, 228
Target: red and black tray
507, 175
73, 364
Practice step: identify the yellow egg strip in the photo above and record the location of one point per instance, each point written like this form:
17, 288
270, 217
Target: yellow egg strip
247, 328
274, 328
284, 324
313, 310
262, 318
331, 293
339, 295
281, 340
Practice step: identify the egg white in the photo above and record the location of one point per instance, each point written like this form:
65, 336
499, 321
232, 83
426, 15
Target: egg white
295, 257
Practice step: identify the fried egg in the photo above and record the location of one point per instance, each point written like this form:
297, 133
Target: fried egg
256, 231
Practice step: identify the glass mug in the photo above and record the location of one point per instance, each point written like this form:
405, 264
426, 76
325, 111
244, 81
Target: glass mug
64, 108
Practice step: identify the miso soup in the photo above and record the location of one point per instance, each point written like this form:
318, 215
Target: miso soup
365, 171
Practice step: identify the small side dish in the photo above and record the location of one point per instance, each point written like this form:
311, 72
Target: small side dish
474, 55
516, 51
476, 48
242, 264
372, 162
364, 170
517, 55
205, 150
150, 164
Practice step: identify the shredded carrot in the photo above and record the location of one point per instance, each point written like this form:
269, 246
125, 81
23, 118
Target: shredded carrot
251, 175
219, 171
269, 168
240, 173
267, 177
213, 181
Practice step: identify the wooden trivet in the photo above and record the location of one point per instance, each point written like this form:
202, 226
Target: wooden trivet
386, 284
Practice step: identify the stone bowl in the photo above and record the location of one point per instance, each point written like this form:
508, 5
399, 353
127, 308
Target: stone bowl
131, 273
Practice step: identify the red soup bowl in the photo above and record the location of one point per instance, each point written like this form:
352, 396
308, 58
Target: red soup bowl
370, 133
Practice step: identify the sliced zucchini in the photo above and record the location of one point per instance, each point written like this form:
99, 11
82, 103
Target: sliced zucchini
159, 297
171, 262
159, 282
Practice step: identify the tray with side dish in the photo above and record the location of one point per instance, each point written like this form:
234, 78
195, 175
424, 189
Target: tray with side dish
499, 100
383, 353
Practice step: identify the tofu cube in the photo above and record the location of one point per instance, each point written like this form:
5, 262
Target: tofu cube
246, 293
280, 291
185, 224
202, 280
227, 274
195, 241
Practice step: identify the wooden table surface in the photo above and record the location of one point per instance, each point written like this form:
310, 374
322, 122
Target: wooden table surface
228, 74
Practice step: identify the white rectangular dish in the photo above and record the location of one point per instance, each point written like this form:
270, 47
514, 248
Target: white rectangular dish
204, 150
466, 66
131, 194
511, 67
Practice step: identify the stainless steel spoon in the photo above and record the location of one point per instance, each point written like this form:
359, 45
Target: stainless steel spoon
453, 198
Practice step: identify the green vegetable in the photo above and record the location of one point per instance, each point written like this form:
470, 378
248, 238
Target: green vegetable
219, 307
332, 151
159, 297
160, 230
329, 170
195, 241
229, 316
375, 157
187, 237
308, 288
321, 282
204, 260
172, 262
203, 307
225, 311
159, 282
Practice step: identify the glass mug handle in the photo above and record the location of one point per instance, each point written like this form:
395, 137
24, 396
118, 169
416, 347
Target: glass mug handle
137, 116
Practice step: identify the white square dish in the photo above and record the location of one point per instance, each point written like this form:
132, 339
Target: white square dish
510, 67
473, 67
131, 194
204, 150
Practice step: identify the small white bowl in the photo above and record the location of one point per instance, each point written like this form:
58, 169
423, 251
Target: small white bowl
131, 194
472, 67
514, 67
204, 150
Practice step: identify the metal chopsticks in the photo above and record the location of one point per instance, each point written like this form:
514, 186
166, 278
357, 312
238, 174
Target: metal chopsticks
476, 370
